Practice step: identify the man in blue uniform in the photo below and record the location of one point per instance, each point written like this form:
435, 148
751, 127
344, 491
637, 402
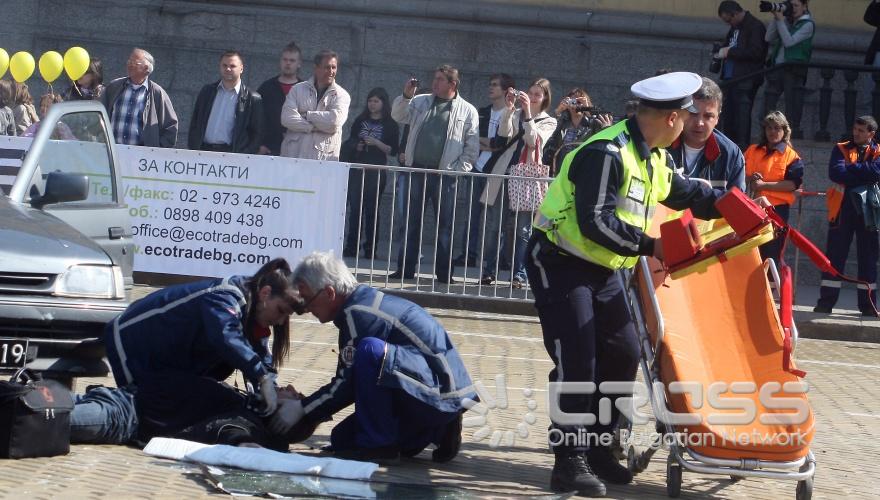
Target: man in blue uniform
396, 364
852, 200
592, 223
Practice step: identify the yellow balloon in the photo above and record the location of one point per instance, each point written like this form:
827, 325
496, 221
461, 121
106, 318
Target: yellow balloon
4, 62
51, 65
76, 62
21, 66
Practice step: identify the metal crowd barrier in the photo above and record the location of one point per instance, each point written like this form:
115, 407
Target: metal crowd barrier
435, 224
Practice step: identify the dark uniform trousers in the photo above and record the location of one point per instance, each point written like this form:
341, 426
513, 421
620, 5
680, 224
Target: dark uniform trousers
588, 332
840, 234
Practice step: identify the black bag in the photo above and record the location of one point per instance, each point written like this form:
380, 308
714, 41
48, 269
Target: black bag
34, 417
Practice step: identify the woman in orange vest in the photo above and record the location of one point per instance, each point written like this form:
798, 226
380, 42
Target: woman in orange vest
774, 170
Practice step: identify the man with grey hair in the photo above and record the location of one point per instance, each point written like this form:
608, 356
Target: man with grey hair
701, 152
396, 364
140, 110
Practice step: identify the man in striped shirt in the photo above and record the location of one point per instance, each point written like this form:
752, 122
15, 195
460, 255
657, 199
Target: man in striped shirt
140, 110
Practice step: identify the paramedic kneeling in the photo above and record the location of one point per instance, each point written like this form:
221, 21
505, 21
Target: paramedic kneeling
173, 349
396, 364
592, 223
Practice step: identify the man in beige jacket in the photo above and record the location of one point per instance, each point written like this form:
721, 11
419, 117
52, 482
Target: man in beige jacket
314, 113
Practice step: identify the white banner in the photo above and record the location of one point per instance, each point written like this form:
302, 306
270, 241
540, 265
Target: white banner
217, 214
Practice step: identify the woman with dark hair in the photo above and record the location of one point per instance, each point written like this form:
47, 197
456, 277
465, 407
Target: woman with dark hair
90, 86
7, 119
774, 170
573, 127
373, 139
173, 349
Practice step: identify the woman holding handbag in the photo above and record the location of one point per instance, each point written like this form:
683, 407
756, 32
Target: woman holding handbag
526, 195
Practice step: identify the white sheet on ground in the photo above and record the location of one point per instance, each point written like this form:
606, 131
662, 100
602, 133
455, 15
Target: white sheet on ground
258, 459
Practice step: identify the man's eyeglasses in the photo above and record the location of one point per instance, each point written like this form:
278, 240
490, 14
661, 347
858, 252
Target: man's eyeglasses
303, 305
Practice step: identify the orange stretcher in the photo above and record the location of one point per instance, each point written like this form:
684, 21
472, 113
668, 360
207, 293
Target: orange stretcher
719, 324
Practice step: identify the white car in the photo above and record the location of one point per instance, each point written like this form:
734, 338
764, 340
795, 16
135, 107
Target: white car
65, 243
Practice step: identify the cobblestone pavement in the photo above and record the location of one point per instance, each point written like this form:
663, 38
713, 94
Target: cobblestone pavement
844, 396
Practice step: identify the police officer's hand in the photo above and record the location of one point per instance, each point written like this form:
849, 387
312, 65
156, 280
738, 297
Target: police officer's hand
605, 120
658, 250
269, 393
289, 413
763, 201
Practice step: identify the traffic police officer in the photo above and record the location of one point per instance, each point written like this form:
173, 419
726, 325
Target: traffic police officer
855, 170
592, 223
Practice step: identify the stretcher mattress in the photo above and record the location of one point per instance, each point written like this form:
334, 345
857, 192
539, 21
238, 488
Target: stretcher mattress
722, 326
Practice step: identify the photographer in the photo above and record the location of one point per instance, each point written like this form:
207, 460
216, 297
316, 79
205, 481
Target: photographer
744, 52
790, 36
574, 125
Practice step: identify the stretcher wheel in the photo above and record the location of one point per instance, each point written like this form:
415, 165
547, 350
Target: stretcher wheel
673, 478
804, 489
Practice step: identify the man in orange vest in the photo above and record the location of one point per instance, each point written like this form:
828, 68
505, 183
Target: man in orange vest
854, 165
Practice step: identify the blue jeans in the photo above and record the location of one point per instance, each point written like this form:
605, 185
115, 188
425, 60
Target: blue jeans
470, 237
521, 223
440, 190
385, 417
494, 246
104, 415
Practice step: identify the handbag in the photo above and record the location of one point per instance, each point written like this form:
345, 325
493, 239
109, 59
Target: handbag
34, 416
526, 189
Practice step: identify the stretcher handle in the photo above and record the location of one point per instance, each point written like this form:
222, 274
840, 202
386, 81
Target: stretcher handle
655, 305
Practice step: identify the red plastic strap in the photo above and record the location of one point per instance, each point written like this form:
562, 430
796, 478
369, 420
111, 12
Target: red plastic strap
786, 317
786, 356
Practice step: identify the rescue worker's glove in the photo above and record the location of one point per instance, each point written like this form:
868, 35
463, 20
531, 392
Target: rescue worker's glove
289, 413
269, 393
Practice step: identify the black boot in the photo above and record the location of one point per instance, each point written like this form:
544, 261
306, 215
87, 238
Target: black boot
449, 443
572, 473
607, 467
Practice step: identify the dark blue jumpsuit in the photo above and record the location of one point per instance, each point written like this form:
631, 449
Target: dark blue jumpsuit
398, 366
174, 348
850, 222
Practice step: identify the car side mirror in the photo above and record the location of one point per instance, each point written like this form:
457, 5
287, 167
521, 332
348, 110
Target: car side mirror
61, 187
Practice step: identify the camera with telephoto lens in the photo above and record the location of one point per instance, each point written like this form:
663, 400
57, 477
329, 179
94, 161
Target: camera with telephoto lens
715, 65
784, 7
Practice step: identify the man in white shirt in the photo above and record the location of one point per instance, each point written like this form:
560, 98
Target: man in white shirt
227, 116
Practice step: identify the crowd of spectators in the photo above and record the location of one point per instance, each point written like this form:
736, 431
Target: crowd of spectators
433, 129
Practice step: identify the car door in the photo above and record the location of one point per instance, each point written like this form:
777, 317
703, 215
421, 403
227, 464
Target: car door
74, 138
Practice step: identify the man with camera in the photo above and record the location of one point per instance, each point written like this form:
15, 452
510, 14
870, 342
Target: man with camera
744, 52
790, 35
701, 151
443, 136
